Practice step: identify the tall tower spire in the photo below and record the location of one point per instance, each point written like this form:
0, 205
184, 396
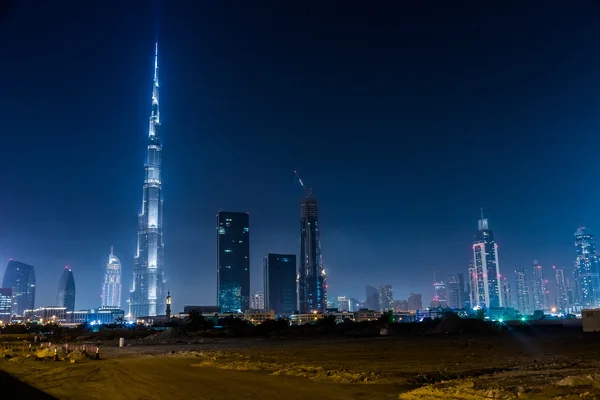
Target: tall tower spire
147, 294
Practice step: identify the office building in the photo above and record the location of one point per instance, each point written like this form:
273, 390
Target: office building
415, 302
587, 278
111, 287
21, 279
5, 305
441, 294
233, 261
372, 299
538, 287
506, 293
386, 298
523, 292
280, 283
455, 288
66, 290
485, 272
147, 297
343, 304
257, 302
562, 298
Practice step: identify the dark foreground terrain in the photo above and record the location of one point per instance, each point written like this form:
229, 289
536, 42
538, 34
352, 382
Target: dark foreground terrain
504, 366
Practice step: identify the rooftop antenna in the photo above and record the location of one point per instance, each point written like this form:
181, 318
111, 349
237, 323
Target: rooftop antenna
482, 213
112, 250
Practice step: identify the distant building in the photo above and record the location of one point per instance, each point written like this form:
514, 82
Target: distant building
440, 293
386, 298
279, 279
354, 305
21, 279
562, 298
202, 309
539, 290
400, 305
48, 314
485, 273
415, 302
455, 288
66, 290
258, 301
5, 305
372, 301
506, 293
258, 316
233, 261
99, 316
523, 293
586, 269
343, 304
111, 287
312, 279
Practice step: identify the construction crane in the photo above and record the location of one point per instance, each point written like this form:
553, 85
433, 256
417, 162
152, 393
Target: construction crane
307, 191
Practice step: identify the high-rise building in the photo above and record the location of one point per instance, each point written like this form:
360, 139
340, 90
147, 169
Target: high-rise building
485, 273
538, 285
312, 284
587, 278
386, 298
233, 261
372, 299
21, 279
147, 297
66, 290
415, 302
562, 298
455, 289
5, 305
523, 293
400, 305
441, 294
279, 272
343, 304
111, 288
506, 293
257, 302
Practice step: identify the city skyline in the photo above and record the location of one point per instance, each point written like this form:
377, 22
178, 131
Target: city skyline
210, 126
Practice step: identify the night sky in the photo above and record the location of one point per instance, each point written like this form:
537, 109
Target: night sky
405, 119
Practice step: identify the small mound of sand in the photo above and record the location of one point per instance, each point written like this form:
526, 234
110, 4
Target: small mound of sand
461, 390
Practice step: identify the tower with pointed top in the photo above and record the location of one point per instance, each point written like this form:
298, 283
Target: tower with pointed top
111, 288
484, 274
147, 293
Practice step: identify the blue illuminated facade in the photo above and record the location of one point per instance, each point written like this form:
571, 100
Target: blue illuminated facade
233, 261
586, 269
20, 278
312, 285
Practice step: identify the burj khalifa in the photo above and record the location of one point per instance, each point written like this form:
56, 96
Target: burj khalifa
147, 294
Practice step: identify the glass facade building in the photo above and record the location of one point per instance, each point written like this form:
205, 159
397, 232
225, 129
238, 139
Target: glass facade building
233, 261
111, 288
5, 305
539, 289
586, 271
280, 283
147, 297
456, 291
66, 290
523, 293
21, 279
312, 284
484, 274
386, 298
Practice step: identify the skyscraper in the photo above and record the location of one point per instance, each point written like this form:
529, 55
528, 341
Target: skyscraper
456, 291
562, 298
312, 285
523, 294
66, 290
506, 293
440, 293
587, 279
147, 294
386, 298
279, 273
538, 286
372, 296
485, 273
257, 302
233, 261
21, 279
111, 288
5, 305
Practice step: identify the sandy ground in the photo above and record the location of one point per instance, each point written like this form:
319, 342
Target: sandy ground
564, 366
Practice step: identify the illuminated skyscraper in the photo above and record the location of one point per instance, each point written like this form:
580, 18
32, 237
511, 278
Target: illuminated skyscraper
111, 288
386, 298
484, 275
586, 269
147, 294
21, 279
233, 261
523, 293
539, 288
66, 290
279, 275
312, 285
441, 294
562, 298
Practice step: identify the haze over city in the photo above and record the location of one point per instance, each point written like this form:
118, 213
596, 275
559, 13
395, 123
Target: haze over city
405, 121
